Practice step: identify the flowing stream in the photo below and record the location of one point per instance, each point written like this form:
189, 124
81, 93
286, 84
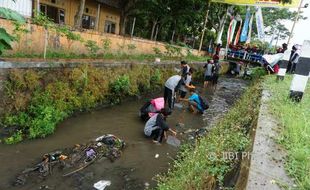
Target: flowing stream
137, 166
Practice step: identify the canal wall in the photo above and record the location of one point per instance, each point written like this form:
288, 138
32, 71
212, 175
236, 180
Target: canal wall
6, 67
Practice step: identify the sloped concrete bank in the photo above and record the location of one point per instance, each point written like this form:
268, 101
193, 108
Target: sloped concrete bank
266, 168
5, 67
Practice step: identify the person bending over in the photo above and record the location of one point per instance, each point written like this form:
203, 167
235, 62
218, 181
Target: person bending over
171, 86
156, 127
195, 103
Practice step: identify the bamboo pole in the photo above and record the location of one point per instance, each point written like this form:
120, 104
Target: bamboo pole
296, 19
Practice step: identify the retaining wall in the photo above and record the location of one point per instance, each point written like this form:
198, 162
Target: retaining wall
33, 42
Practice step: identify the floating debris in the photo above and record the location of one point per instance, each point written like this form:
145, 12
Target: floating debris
72, 160
102, 184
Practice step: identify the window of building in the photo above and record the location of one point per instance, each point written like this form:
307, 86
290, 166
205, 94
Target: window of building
61, 16
88, 22
55, 14
109, 27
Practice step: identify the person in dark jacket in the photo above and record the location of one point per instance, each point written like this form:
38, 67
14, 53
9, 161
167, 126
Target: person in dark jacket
156, 127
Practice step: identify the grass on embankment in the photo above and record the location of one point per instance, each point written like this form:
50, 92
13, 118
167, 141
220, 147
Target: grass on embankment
295, 128
206, 165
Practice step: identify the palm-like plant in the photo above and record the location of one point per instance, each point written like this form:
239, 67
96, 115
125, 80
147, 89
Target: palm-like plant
5, 38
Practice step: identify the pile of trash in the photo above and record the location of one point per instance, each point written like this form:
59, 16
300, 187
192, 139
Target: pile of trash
72, 160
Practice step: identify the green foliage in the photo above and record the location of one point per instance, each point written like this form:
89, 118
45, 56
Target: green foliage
43, 20
258, 72
5, 38
131, 46
156, 77
204, 166
173, 51
106, 45
19, 29
11, 15
119, 88
15, 138
157, 51
92, 47
71, 36
294, 133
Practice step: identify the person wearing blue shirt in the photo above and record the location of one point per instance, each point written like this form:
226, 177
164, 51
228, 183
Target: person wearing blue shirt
194, 102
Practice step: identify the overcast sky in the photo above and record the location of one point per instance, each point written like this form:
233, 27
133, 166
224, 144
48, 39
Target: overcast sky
302, 28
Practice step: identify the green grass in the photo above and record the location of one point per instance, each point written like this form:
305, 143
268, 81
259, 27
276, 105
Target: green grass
294, 119
116, 56
205, 166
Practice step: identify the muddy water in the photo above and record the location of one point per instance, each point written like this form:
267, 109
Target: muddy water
137, 166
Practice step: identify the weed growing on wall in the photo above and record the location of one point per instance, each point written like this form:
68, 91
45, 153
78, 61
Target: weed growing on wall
157, 51
106, 45
173, 51
37, 100
92, 47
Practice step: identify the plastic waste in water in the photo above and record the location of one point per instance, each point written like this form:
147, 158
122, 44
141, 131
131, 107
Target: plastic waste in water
178, 105
157, 155
102, 184
173, 141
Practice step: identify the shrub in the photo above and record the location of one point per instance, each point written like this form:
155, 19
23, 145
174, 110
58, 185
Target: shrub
106, 45
119, 88
172, 51
157, 51
92, 47
131, 47
15, 138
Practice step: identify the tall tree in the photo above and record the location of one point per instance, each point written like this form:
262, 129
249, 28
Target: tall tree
79, 15
127, 7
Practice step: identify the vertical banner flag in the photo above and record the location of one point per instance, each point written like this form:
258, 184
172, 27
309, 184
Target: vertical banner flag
238, 34
250, 30
259, 23
231, 30
219, 36
245, 28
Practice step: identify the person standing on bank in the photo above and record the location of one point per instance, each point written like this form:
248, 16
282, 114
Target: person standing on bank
156, 127
171, 86
296, 50
208, 73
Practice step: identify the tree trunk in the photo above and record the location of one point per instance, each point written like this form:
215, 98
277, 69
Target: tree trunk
156, 33
97, 17
79, 15
153, 28
38, 7
173, 33
122, 23
221, 28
